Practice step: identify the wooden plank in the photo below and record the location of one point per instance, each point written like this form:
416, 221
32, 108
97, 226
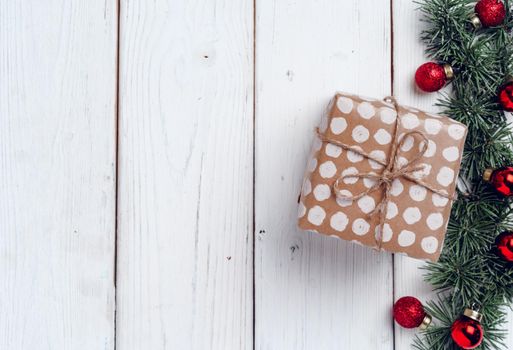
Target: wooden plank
186, 175
408, 55
57, 171
313, 292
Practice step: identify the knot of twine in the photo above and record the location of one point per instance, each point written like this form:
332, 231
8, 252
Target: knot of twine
391, 171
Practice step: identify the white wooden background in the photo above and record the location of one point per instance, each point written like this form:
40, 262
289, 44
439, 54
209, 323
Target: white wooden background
151, 154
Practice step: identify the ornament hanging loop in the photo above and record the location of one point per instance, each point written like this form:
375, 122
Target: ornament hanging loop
473, 314
487, 174
476, 22
449, 71
426, 322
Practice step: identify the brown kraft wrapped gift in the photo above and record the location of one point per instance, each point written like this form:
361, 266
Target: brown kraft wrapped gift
382, 175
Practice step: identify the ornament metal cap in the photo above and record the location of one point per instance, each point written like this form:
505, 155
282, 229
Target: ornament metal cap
425, 322
487, 174
473, 314
449, 72
476, 22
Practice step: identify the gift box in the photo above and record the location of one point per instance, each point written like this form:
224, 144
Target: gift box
382, 175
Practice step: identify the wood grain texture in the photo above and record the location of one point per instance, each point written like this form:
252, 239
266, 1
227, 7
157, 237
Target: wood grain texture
185, 220
186, 176
57, 174
313, 292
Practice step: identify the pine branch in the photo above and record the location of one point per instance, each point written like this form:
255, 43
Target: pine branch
468, 271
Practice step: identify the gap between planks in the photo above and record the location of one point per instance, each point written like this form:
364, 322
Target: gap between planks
116, 181
253, 248
392, 71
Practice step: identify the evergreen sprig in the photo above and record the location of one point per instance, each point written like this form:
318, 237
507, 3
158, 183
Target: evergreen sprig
468, 272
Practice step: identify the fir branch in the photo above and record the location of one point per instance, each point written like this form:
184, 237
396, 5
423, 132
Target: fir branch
469, 272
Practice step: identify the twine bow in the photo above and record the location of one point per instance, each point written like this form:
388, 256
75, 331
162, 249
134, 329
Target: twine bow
392, 171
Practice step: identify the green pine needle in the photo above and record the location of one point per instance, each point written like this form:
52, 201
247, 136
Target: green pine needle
469, 272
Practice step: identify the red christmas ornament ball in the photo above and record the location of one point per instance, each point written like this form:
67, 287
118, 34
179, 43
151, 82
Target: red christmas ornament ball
430, 77
501, 179
409, 312
491, 13
467, 333
504, 245
506, 96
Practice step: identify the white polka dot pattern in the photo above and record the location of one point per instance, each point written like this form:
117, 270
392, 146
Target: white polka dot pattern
307, 187
407, 144
316, 215
412, 215
416, 218
392, 210
354, 157
387, 233
383, 137
345, 105
360, 134
429, 244
350, 171
366, 110
366, 204
435, 221
456, 131
440, 201
432, 126
322, 192
425, 171
451, 153
431, 149
327, 169
397, 188
312, 165
379, 155
360, 227
410, 121
406, 238
401, 161
343, 202
387, 115
418, 193
333, 151
339, 221
445, 176
338, 125
368, 182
